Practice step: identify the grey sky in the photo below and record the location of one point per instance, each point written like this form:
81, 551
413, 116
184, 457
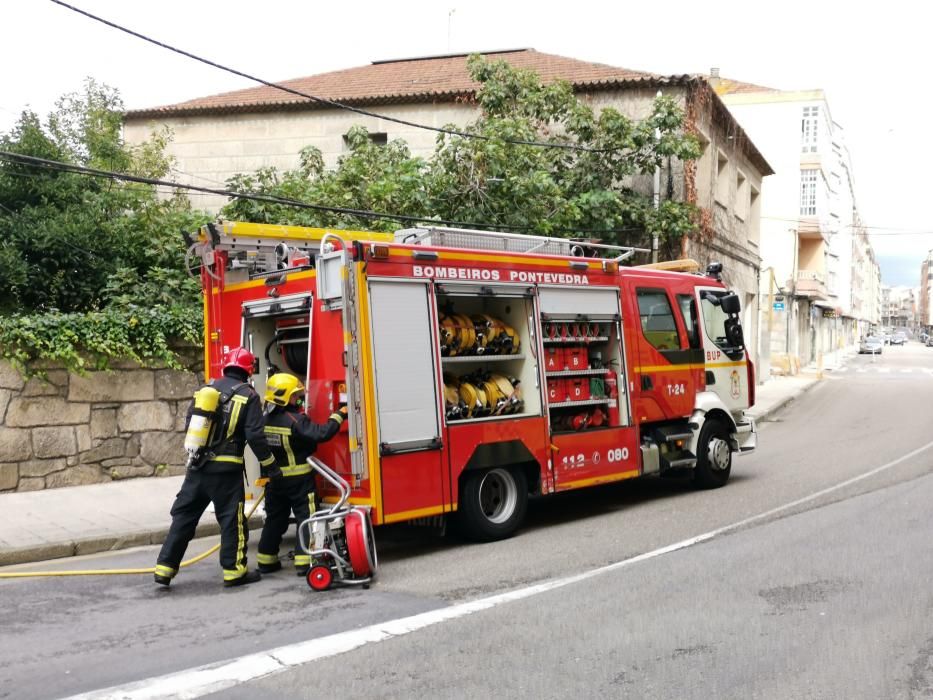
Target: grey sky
872, 60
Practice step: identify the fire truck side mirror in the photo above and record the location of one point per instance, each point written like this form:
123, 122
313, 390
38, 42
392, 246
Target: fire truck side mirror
730, 303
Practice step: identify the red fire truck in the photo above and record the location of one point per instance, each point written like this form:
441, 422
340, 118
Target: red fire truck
480, 367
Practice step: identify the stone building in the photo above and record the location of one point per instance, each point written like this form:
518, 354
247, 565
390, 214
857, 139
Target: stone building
235, 132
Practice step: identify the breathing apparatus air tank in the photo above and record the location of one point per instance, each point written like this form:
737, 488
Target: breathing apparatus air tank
206, 400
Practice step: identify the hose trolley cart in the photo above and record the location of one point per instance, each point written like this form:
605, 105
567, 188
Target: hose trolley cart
338, 538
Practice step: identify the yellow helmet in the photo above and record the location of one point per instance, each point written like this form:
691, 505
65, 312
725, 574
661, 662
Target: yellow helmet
281, 387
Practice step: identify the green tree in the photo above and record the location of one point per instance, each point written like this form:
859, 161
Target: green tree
493, 180
90, 267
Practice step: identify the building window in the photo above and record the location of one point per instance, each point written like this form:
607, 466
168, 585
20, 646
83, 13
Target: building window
754, 213
809, 126
808, 192
741, 196
722, 182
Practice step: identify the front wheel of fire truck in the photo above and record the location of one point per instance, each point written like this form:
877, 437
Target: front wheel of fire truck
714, 456
493, 503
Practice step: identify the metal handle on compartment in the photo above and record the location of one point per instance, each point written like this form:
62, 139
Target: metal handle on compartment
337, 481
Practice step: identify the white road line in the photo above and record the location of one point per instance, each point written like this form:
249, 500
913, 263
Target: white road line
907, 371
861, 370
213, 678
884, 370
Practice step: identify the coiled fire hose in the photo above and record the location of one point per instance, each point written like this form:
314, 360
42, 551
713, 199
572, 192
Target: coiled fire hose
129, 572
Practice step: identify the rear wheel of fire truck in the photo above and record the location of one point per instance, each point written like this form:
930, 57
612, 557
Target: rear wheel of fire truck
320, 578
714, 456
493, 503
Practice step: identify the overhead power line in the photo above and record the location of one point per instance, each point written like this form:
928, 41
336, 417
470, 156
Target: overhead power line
61, 166
169, 186
324, 100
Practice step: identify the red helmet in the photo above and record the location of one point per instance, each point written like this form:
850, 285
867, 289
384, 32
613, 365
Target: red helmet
240, 357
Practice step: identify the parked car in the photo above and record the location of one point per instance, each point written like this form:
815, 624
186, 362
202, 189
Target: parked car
898, 339
871, 344
930, 341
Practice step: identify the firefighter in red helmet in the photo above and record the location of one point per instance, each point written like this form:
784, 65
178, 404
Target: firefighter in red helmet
293, 437
215, 474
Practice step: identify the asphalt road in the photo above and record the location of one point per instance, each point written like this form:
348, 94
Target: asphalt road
823, 599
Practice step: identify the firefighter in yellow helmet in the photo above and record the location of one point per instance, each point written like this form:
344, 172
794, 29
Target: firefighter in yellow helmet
292, 437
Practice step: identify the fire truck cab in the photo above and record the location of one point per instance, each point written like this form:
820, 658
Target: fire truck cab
480, 368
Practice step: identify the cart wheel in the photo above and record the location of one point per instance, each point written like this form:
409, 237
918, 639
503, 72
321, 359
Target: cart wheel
320, 578
360, 545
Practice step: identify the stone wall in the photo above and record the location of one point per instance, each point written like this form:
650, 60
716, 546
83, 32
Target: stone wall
67, 430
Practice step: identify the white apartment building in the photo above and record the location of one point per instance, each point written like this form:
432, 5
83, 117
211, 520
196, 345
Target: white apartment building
925, 303
820, 282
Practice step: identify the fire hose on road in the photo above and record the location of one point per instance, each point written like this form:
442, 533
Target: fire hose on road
125, 572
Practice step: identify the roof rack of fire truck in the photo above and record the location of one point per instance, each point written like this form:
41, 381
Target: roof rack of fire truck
262, 248
511, 242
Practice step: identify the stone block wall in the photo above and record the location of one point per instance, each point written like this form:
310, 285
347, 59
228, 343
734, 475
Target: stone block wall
68, 430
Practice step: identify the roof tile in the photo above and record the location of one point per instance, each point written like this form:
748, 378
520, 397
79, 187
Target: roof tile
406, 78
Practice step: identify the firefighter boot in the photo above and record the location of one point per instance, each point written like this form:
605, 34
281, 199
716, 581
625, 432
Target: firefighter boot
248, 577
164, 574
268, 563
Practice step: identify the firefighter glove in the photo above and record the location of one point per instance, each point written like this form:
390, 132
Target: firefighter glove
272, 472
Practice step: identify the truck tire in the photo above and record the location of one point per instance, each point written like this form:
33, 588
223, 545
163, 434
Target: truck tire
493, 503
714, 456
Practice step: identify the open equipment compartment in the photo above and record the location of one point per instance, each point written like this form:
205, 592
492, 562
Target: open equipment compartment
583, 359
488, 352
278, 333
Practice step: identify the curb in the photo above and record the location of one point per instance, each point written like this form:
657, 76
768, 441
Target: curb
106, 543
781, 403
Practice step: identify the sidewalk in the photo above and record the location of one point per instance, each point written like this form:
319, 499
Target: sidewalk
76, 520
64, 522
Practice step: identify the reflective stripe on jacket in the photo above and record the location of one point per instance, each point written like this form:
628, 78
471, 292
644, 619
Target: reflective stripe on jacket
293, 437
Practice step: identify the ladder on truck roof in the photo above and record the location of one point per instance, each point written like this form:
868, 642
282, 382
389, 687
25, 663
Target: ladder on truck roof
511, 242
264, 248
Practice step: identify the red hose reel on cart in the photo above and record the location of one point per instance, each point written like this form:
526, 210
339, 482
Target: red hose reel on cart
338, 538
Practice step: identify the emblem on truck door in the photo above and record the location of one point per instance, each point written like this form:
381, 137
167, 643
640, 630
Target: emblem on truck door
735, 384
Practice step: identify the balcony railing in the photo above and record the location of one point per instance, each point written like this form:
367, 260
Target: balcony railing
812, 284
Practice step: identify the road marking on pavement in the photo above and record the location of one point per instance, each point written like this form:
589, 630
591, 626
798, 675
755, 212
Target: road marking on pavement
218, 676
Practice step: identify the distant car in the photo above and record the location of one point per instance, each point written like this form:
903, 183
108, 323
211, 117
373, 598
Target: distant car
886, 338
898, 339
930, 341
871, 344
